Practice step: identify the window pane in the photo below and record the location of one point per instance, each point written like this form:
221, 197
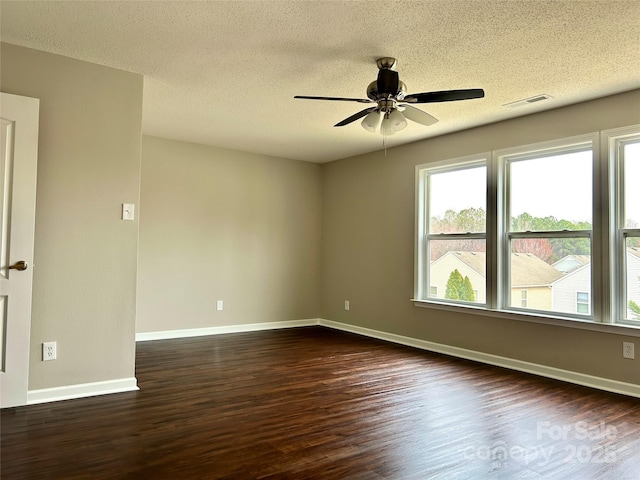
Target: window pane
551, 193
631, 182
457, 201
633, 278
552, 284
458, 270
582, 303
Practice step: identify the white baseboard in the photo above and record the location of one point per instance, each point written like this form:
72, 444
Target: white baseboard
600, 383
247, 327
81, 390
130, 384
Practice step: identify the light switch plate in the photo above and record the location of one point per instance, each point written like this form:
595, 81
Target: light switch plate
128, 211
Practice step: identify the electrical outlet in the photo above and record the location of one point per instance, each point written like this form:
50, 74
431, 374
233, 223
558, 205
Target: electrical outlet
628, 350
219, 305
49, 351
346, 304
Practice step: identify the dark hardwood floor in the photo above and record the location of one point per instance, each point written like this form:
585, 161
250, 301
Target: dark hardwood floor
314, 403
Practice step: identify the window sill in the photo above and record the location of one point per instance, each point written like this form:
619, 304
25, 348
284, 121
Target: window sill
618, 329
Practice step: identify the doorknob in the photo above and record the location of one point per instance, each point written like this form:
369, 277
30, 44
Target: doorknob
21, 265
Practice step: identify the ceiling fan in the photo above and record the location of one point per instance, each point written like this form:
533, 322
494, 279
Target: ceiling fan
393, 104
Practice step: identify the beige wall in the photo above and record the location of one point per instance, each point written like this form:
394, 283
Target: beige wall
224, 225
368, 245
85, 256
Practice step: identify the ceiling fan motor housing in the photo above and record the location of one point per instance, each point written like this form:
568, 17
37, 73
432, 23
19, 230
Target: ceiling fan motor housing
374, 93
387, 85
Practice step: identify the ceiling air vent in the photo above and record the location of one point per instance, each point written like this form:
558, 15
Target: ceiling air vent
528, 101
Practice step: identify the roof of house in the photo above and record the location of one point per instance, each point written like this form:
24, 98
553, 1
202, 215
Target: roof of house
570, 262
475, 260
569, 276
526, 268
529, 270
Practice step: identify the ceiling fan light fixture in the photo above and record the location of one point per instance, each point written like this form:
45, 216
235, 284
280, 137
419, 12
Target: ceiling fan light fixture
386, 128
398, 122
372, 121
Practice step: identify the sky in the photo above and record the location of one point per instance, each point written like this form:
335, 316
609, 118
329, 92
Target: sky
632, 187
559, 186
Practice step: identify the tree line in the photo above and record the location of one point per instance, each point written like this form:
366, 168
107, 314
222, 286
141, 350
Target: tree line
549, 250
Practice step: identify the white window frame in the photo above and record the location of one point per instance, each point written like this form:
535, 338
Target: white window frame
422, 280
606, 238
502, 231
608, 252
614, 140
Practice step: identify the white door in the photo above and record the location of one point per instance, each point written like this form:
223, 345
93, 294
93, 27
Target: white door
18, 160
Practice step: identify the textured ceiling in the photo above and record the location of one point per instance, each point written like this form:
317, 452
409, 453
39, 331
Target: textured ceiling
224, 73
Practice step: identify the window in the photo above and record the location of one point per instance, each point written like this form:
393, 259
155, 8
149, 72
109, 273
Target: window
550, 230
625, 150
548, 209
582, 302
453, 243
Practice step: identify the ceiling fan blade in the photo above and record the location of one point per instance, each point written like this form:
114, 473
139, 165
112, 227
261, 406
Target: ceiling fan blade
444, 96
355, 116
340, 99
416, 115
